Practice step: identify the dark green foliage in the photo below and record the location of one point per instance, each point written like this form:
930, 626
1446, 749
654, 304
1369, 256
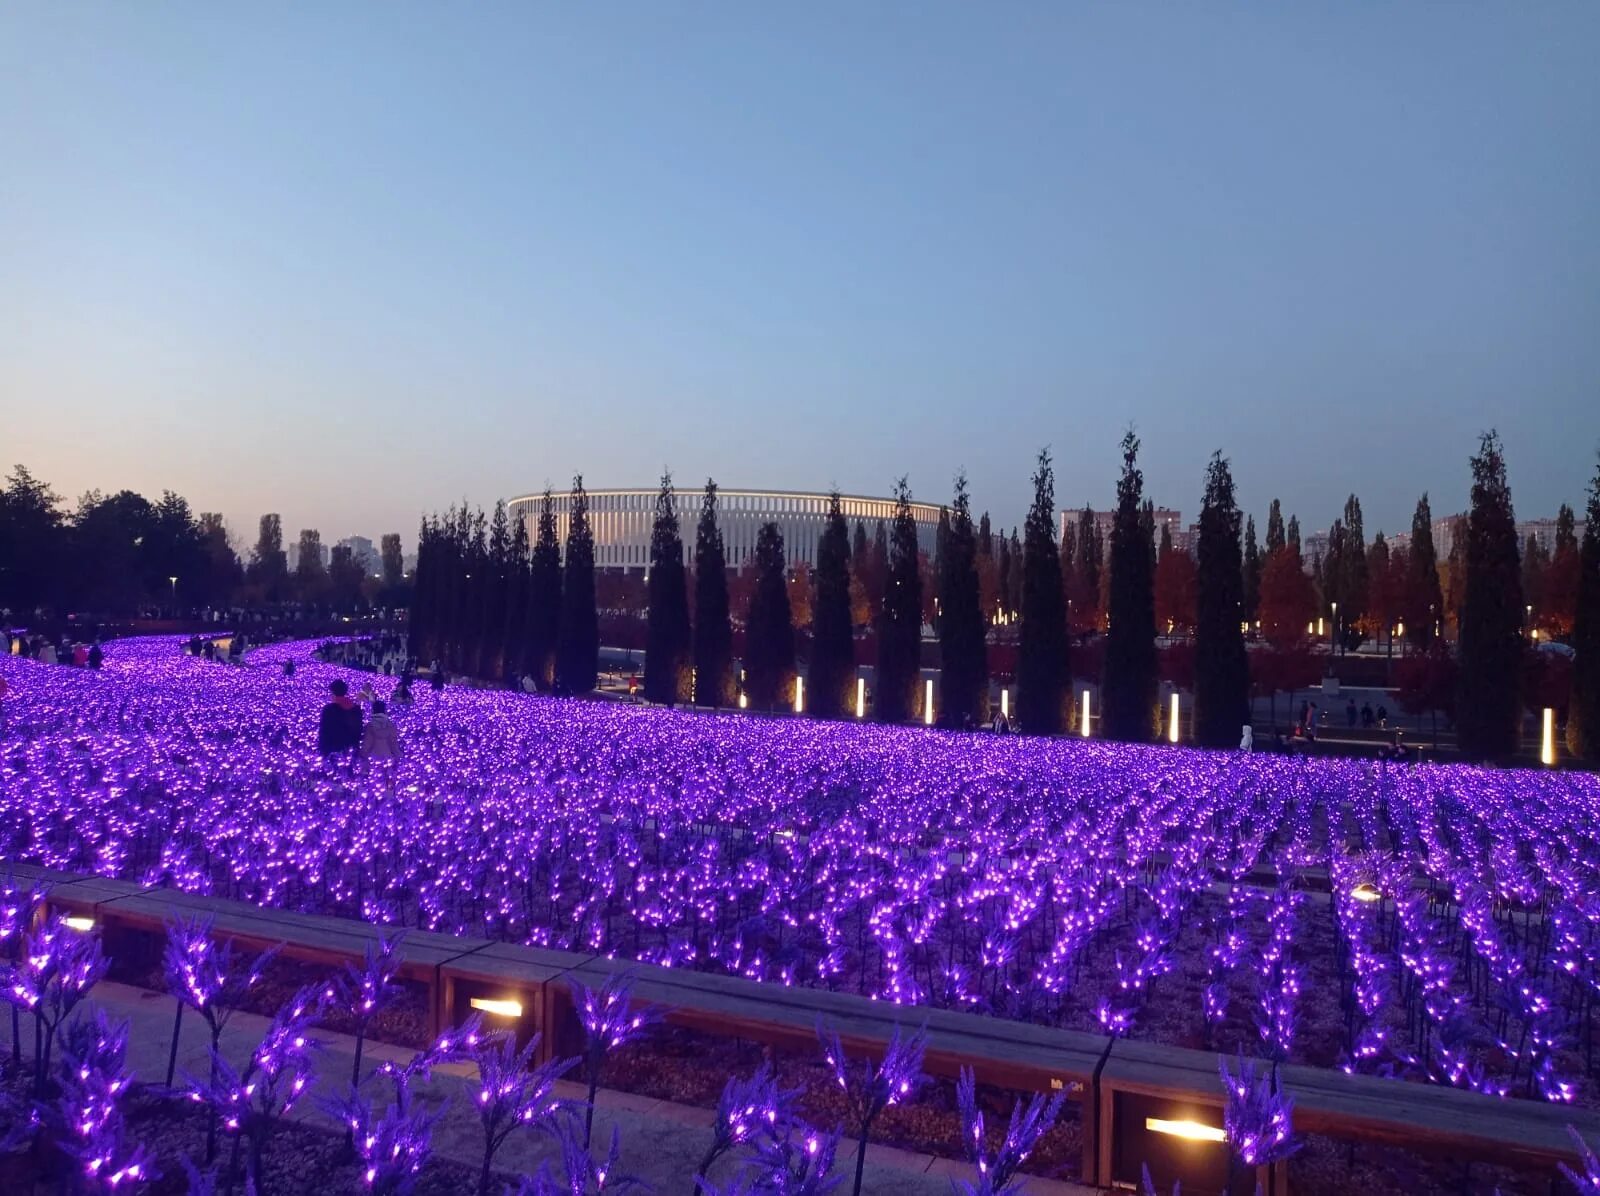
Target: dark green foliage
1423, 602
830, 678
578, 638
1276, 537
518, 585
900, 619
1221, 670
1292, 536
1345, 574
713, 630
544, 599
667, 641
1488, 699
1252, 570
269, 564
1043, 664
963, 655
1128, 693
1583, 718
769, 628
492, 596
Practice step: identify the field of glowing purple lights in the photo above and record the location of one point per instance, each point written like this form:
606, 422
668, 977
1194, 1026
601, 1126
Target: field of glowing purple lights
1434, 923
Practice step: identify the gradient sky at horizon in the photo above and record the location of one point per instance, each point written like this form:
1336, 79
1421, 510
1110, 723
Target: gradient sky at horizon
351, 263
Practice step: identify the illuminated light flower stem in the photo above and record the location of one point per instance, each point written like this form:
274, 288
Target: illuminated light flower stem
879, 1085
610, 1020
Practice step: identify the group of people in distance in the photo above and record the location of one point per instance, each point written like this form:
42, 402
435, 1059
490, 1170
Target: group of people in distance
343, 731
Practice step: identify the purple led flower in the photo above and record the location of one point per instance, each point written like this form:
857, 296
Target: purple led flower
997, 1165
1257, 1117
609, 1019
879, 1086
512, 1093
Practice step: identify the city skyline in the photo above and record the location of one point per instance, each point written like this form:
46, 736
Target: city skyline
354, 265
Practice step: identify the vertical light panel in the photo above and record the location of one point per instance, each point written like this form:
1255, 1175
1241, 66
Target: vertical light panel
861, 697
1084, 730
1005, 703
1547, 744
799, 695
1172, 720
927, 702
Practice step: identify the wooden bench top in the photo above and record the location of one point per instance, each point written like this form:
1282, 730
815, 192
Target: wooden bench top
513, 964
1019, 1053
306, 935
1371, 1108
1434, 1116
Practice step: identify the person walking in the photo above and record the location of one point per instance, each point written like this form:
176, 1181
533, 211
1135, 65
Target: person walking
97, 656
1247, 739
339, 728
380, 740
1350, 713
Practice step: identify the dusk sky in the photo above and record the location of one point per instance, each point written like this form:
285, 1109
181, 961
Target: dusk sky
353, 262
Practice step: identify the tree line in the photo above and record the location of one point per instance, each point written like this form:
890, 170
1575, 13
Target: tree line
1088, 604
118, 554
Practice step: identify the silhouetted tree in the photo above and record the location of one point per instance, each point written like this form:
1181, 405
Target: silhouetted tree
830, 678
310, 577
269, 564
713, 630
544, 598
963, 656
578, 653
769, 631
1583, 717
667, 640
900, 619
1128, 692
1043, 664
518, 585
1252, 570
1423, 601
493, 596
1489, 703
1221, 670
1292, 536
1276, 538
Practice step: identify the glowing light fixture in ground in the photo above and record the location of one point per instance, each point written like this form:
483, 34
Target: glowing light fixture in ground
505, 1008
1194, 1131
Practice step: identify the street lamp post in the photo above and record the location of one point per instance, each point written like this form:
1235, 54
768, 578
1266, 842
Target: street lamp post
1333, 643
174, 582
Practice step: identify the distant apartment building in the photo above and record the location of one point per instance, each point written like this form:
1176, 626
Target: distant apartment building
364, 553
1182, 538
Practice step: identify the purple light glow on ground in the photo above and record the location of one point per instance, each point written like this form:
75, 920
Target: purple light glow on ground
1159, 893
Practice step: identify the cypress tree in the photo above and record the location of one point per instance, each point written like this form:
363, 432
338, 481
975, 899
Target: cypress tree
1583, 715
1252, 570
1348, 579
544, 598
769, 628
1292, 536
491, 658
667, 646
517, 589
468, 656
1489, 701
578, 638
1128, 692
900, 619
1014, 575
830, 680
1424, 602
1043, 663
1002, 574
1275, 534
713, 632
963, 656
1221, 670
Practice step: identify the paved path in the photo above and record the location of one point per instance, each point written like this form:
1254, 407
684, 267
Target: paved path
662, 1142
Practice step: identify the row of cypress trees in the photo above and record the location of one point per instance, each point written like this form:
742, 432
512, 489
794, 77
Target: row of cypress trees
490, 603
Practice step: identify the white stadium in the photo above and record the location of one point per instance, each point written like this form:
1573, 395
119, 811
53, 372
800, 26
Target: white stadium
622, 519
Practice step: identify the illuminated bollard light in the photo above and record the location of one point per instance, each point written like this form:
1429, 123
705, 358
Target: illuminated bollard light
861, 697
799, 695
1172, 720
1084, 730
1547, 744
